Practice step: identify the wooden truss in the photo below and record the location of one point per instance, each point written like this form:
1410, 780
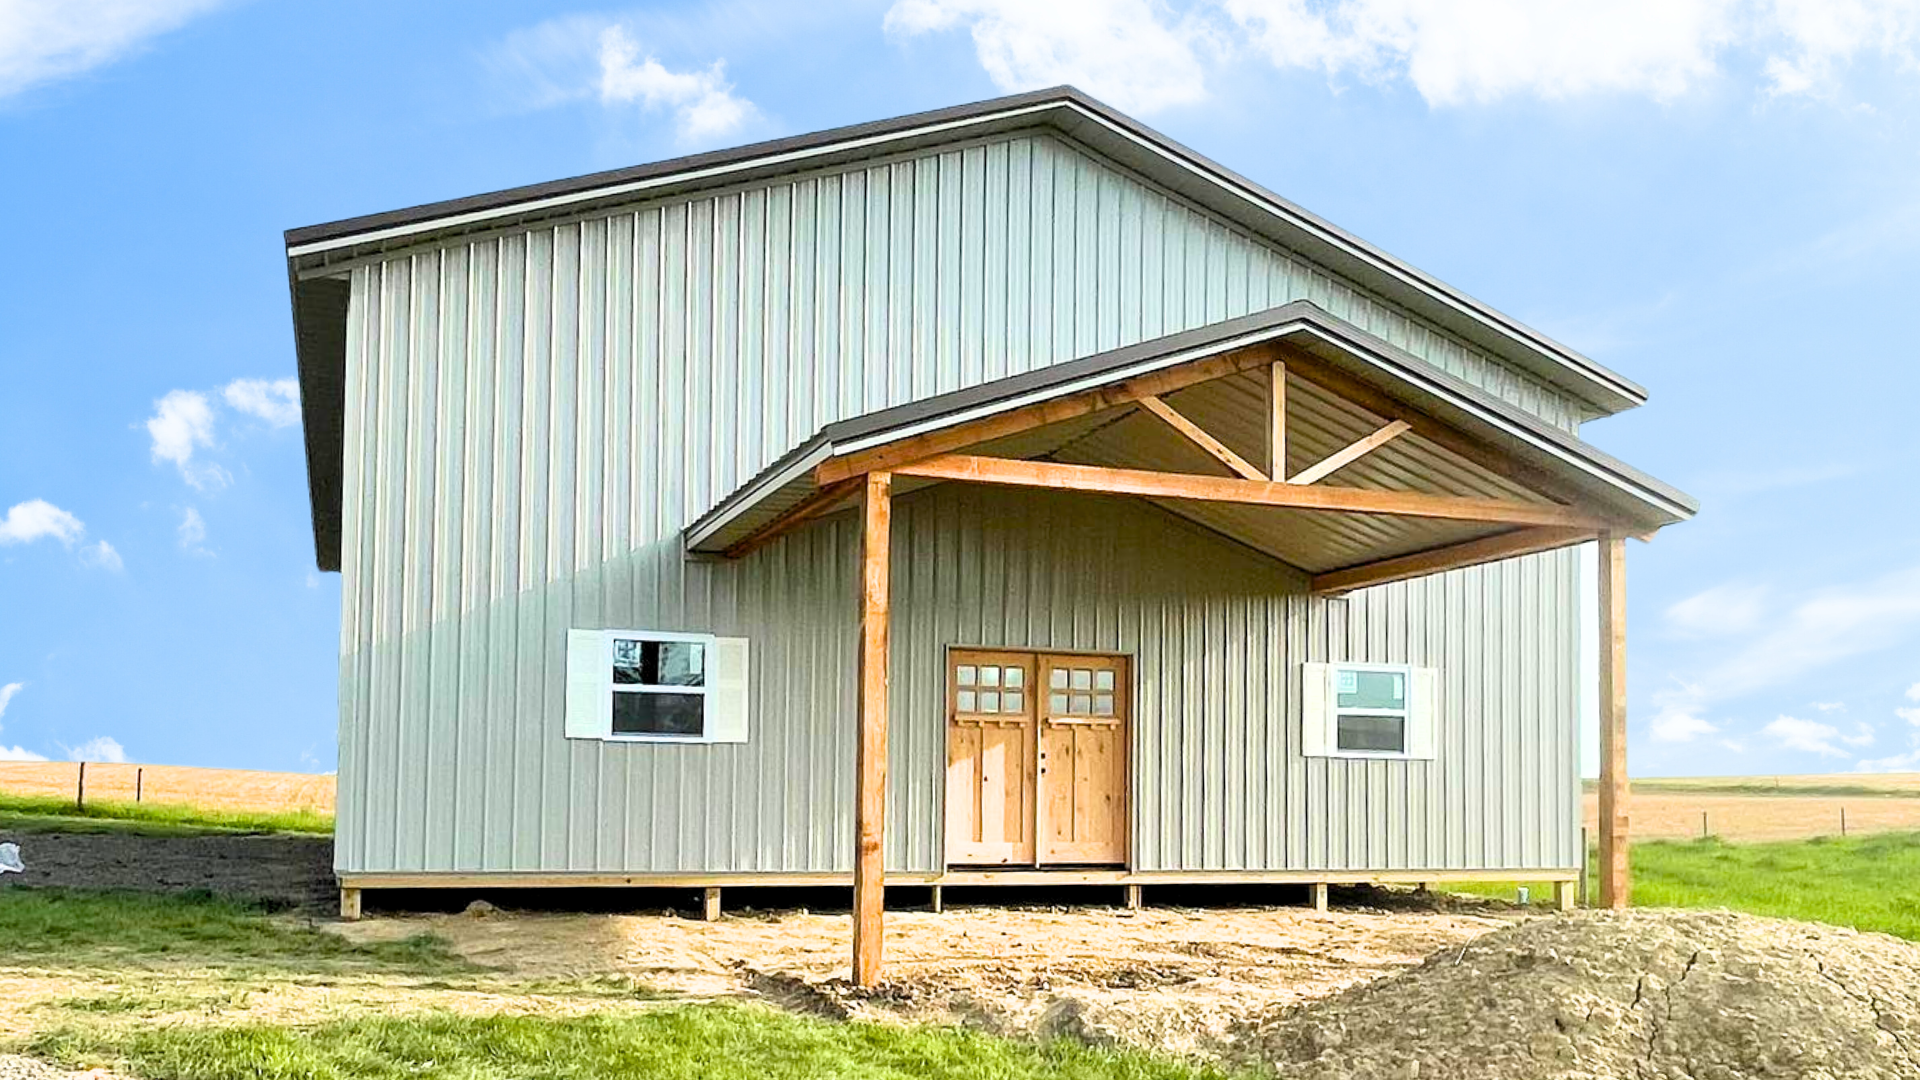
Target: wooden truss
1558, 520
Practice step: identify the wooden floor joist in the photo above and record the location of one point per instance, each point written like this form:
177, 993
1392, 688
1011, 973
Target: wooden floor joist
956, 878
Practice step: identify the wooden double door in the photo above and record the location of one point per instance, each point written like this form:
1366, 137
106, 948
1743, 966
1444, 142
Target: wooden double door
1036, 758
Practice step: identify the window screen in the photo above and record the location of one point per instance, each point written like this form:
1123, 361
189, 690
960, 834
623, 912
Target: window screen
659, 687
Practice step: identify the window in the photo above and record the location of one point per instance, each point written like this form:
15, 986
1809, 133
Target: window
655, 686
1368, 710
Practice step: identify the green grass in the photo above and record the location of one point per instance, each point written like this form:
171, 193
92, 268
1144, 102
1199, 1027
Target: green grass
1866, 882
1749, 786
689, 1042
58, 928
53, 813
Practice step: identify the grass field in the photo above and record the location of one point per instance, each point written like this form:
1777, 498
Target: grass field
51, 813
241, 790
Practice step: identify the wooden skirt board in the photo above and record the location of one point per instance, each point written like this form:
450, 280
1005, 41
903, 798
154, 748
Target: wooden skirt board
1036, 759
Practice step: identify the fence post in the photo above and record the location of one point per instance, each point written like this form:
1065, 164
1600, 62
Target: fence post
80, 789
1843, 821
1584, 901
139, 782
1703, 825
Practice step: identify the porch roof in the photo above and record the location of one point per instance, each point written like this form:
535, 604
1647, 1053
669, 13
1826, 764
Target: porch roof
1341, 384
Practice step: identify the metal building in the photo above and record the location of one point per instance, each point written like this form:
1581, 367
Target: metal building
998, 494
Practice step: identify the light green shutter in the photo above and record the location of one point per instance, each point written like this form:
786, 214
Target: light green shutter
1314, 700
1423, 714
727, 700
589, 686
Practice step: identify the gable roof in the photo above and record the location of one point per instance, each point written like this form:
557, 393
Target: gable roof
1599, 478
319, 308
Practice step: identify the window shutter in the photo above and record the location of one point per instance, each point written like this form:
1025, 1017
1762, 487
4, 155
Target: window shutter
1314, 699
727, 700
589, 704
1424, 714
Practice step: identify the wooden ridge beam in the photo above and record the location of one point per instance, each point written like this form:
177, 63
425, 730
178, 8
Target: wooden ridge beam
1027, 417
822, 500
1487, 549
1161, 485
1200, 437
1351, 453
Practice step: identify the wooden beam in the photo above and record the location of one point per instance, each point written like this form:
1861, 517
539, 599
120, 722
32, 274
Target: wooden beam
870, 758
822, 500
917, 447
1199, 437
1350, 389
1487, 549
1351, 453
1277, 421
1047, 474
1615, 880
821, 879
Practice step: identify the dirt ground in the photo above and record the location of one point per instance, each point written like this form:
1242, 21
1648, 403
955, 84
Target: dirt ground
1172, 979
286, 870
210, 789
1675, 815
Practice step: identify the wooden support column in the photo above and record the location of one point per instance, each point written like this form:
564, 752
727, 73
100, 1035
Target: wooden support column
710, 903
350, 904
1277, 419
870, 762
1319, 895
1615, 881
1133, 897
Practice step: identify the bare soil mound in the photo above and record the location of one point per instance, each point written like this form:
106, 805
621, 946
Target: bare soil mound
292, 870
1642, 994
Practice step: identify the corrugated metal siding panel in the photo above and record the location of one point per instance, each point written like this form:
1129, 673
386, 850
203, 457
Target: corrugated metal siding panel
533, 417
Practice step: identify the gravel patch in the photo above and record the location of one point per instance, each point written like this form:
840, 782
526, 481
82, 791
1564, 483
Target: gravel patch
1648, 995
289, 870
15, 1067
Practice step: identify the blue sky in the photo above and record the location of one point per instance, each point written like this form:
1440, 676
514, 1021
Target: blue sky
1716, 198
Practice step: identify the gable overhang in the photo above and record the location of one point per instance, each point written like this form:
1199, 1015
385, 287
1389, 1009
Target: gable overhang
813, 476
326, 252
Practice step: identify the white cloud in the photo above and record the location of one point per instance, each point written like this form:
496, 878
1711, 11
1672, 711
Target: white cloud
181, 421
1830, 706
1131, 53
276, 402
1679, 722
42, 40
19, 753
192, 529
1820, 35
1827, 626
1913, 692
37, 518
1734, 746
1862, 735
1719, 611
6, 694
102, 748
703, 102
101, 554
1810, 736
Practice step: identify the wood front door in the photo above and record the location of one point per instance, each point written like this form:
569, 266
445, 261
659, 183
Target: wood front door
1036, 759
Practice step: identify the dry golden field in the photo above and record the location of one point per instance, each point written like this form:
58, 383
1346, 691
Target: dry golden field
1770, 808
209, 789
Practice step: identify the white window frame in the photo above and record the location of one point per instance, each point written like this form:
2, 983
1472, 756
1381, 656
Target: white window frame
1419, 724
709, 656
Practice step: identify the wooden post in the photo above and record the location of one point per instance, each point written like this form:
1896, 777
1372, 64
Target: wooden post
1563, 895
1134, 897
870, 760
1319, 896
1277, 433
1586, 845
80, 789
710, 903
935, 901
1843, 821
139, 783
1703, 825
1615, 880
349, 904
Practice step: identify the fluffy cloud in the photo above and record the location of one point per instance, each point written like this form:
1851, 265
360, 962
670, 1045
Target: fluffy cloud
1825, 626
702, 102
19, 753
276, 402
1809, 736
182, 421
1678, 718
42, 40
192, 529
1129, 52
1830, 706
102, 748
38, 518
6, 695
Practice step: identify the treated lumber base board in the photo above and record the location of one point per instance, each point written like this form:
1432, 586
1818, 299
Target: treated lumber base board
589, 880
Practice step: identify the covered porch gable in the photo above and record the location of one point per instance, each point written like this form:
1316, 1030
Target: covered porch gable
1291, 432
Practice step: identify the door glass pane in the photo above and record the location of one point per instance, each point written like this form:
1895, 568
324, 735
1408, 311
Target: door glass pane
1082, 705
1103, 679
1384, 734
1082, 679
1057, 678
658, 714
1056, 703
964, 675
1011, 701
989, 676
989, 701
966, 702
1103, 704
1015, 676
1372, 689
